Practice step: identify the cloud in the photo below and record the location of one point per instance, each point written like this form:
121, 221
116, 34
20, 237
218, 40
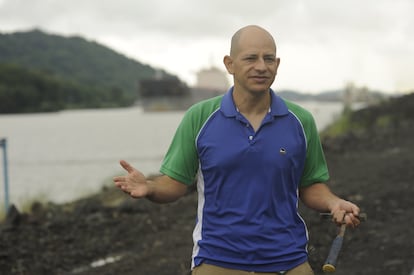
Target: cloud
322, 43
303, 20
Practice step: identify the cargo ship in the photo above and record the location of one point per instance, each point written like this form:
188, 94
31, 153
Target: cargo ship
167, 93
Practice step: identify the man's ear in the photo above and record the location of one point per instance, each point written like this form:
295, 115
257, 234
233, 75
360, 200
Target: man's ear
278, 63
228, 62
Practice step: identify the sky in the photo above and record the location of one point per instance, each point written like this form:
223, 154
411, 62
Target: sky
323, 44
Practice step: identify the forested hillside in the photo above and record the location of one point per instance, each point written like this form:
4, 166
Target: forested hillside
86, 73
23, 90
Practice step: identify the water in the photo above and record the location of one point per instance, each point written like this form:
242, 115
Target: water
66, 155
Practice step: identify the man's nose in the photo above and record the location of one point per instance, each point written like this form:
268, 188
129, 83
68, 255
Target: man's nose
260, 64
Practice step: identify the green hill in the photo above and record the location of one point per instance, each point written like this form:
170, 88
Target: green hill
83, 64
23, 90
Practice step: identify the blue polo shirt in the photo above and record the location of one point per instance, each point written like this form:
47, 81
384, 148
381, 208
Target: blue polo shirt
247, 182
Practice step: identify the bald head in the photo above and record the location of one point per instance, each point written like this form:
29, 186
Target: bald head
252, 60
251, 32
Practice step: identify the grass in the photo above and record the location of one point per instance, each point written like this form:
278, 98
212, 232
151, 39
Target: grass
340, 126
108, 194
24, 206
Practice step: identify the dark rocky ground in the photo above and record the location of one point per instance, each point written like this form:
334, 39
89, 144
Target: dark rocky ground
109, 233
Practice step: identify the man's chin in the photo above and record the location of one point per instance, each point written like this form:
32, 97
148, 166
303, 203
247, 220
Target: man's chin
260, 85
260, 88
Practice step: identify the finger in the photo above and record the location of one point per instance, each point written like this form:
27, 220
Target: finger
126, 166
119, 184
339, 216
124, 188
352, 220
348, 220
119, 179
356, 211
355, 220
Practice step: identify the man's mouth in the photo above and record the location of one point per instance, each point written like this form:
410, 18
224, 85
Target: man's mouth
259, 78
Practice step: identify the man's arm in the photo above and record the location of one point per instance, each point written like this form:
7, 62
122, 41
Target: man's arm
320, 198
162, 189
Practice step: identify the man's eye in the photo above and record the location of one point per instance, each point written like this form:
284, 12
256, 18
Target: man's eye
250, 58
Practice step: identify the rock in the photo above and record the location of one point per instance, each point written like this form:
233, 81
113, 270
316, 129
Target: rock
13, 217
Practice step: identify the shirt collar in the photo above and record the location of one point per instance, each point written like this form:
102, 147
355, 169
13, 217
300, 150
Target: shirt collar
277, 108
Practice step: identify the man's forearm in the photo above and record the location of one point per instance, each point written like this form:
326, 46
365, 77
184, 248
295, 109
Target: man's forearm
319, 197
163, 189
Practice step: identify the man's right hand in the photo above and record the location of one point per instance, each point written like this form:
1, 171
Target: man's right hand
134, 183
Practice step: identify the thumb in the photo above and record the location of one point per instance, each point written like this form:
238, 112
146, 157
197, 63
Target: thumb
127, 166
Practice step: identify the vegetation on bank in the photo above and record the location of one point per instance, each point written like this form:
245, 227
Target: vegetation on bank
43, 72
388, 115
23, 90
107, 193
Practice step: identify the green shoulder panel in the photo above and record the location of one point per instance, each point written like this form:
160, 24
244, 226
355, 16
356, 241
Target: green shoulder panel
181, 161
315, 169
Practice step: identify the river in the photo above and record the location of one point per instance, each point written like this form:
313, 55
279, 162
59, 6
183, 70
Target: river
62, 156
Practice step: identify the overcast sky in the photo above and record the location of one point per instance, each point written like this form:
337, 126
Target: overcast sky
323, 44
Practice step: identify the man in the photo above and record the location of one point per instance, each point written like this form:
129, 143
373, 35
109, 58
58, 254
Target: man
253, 156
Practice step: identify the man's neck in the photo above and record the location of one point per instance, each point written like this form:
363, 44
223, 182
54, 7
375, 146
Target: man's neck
253, 106
254, 103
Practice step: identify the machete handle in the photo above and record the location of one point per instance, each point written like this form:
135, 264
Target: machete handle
336, 246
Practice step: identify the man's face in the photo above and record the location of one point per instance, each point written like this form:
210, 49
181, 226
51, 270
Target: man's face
254, 64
